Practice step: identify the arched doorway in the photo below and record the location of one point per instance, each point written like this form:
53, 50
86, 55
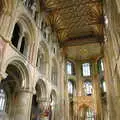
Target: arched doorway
39, 101
9, 90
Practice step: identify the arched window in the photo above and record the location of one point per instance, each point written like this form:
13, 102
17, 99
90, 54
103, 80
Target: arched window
103, 85
19, 40
86, 69
87, 88
16, 35
70, 87
70, 68
100, 65
2, 100
89, 115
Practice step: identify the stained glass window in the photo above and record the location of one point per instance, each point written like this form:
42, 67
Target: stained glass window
87, 88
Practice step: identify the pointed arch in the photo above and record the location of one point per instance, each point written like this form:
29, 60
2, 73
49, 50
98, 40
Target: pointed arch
41, 89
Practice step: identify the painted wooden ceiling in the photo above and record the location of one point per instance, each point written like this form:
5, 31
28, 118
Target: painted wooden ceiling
74, 18
75, 21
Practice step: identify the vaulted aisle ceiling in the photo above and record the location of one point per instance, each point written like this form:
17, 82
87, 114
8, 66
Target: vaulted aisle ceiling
75, 21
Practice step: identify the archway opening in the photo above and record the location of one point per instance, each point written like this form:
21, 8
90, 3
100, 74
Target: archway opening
38, 101
9, 88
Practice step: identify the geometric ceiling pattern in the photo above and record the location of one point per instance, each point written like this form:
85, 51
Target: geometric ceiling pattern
78, 24
75, 19
83, 52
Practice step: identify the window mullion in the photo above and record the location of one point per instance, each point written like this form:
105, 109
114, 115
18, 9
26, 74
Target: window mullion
20, 41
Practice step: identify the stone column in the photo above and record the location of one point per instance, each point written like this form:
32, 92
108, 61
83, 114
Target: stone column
109, 84
23, 105
2, 76
78, 88
66, 97
3, 114
97, 95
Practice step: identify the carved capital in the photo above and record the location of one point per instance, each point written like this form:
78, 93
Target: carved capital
3, 75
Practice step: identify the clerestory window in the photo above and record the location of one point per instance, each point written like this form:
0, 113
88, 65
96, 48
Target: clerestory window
87, 88
70, 68
86, 69
70, 87
100, 65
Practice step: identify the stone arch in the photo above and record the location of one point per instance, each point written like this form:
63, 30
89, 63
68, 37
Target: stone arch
43, 58
22, 17
39, 99
53, 94
17, 79
20, 64
7, 5
41, 90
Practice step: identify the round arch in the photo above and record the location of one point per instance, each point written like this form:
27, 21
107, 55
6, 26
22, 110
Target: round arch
25, 20
7, 5
19, 63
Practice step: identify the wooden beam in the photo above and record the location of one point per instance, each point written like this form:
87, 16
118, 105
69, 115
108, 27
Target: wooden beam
81, 41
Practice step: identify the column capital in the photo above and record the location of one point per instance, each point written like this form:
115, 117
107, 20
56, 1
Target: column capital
26, 90
3, 75
43, 99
